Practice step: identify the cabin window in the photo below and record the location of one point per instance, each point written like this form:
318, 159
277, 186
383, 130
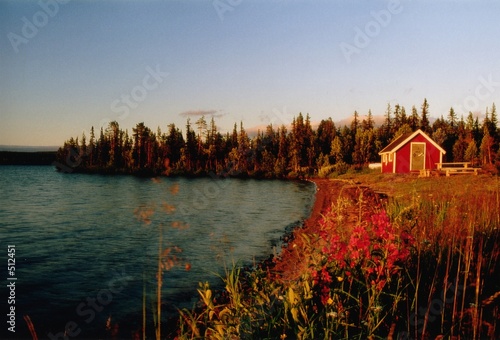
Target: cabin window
390, 157
384, 158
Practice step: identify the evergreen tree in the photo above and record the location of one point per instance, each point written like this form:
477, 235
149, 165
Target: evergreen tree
355, 122
308, 150
471, 151
452, 119
325, 135
201, 124
244, 151
385, 131
113, 134
102, 150
459, 150
281, 165
369, 123
404, 118
414, 120
91, 148
424, 121
397, 122
189, 152
337, 150
127, 152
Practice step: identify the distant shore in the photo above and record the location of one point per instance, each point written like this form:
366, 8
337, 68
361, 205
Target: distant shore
27, 158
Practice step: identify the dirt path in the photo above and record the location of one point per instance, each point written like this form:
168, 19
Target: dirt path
360, 201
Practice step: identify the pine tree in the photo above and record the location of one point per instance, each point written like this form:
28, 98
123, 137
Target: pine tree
308, 150
325, 135
337, 150
459, 150
424, 121
485, 148
397, 119
404, 118
385, 131
355, 122
189, 151
452, 119
127, 152
281, 165
414, 120
112, 134
91, 148
470, 152
369, 123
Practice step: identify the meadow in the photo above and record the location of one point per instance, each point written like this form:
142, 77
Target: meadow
390, 257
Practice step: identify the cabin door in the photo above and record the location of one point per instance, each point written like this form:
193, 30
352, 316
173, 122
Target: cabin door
417, 156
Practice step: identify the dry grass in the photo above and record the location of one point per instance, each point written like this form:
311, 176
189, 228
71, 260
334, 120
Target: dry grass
442, 284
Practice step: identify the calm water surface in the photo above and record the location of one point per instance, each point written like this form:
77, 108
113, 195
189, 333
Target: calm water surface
87, 246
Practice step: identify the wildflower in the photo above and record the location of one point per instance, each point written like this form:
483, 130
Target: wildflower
381, 284
325, 275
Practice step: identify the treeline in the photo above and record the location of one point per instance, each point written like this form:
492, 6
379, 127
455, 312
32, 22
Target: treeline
279, 151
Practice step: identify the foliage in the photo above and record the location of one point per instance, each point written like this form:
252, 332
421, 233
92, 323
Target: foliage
422, 267
275, 152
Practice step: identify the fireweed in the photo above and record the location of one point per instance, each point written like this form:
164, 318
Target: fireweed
366, 277
362, 268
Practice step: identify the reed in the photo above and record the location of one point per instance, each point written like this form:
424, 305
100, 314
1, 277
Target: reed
421, 266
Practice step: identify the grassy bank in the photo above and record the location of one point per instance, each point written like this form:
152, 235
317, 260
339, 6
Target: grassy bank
420, 264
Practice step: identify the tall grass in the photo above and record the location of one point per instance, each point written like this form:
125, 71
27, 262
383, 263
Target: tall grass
456, 228
167, 258
424, 265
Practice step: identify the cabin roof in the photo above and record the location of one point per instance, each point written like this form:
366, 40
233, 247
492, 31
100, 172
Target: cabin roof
400, 141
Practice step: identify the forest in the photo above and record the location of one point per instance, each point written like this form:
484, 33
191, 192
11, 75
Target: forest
295, 151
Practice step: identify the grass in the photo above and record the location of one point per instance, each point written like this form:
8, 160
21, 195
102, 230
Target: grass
423, 265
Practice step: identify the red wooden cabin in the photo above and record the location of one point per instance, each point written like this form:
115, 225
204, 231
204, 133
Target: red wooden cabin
411, 152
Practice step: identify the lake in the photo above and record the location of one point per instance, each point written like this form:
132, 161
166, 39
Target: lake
87, 246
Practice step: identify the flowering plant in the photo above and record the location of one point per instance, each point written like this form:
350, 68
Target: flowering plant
370, 256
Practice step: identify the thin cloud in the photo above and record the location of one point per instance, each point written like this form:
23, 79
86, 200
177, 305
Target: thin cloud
199, 113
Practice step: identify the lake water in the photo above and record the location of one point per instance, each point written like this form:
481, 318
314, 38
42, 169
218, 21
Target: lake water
87, 246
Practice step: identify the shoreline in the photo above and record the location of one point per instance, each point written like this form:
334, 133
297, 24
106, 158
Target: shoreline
292, 262
289, 264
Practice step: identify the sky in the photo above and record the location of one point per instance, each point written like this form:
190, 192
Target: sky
68, 65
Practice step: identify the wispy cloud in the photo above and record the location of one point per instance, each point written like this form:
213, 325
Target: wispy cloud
199, 113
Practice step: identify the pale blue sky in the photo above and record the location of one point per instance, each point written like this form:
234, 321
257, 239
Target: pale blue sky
241, 60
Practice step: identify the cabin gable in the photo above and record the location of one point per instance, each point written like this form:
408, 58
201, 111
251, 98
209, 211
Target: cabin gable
411, 152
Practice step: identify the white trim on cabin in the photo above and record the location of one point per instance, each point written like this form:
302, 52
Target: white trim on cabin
400, 145
394, 164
